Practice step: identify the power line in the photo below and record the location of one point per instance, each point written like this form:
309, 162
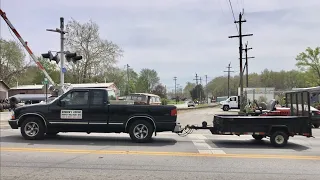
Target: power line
234, 18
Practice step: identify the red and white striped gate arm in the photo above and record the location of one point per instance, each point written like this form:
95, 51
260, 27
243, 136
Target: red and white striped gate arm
3, 15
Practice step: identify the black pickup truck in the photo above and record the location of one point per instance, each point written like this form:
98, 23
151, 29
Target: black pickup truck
90, 110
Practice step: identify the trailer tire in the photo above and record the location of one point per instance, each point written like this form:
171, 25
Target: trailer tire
225, 108
257, 137
279, 139
141, 128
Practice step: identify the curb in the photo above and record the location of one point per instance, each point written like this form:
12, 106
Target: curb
202, 107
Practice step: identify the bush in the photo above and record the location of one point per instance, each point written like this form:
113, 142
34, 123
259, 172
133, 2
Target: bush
164, 101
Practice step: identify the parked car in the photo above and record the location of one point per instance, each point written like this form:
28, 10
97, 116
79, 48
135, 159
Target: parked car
315, 118
144, 99
191, 104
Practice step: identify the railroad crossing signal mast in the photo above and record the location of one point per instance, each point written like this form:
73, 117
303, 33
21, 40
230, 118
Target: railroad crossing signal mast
24, 44
68, 55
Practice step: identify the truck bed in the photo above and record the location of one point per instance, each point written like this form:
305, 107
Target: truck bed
236, 124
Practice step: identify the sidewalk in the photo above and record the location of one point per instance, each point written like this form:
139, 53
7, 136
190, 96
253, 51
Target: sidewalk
4, 117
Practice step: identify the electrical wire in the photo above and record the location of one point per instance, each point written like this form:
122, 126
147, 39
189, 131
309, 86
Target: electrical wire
234, 18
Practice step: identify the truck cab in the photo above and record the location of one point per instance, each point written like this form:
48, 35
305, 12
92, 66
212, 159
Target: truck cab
233, 102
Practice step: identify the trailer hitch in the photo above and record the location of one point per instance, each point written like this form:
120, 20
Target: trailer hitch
188, 129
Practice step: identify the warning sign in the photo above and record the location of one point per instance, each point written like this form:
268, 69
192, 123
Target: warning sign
71, 114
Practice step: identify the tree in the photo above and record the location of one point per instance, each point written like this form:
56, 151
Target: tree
310, 61
197, 93
160, 90
186, 91
51, 68
148, 79
99, 55
12, 63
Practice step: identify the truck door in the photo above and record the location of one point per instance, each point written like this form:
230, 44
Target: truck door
98, 106
233, 102
70, 112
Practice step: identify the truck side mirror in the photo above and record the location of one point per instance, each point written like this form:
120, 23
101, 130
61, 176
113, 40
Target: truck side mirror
61, 103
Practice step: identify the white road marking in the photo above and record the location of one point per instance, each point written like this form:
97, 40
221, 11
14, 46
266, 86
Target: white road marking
199, 141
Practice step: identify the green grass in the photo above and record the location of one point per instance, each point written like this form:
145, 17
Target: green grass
174, 102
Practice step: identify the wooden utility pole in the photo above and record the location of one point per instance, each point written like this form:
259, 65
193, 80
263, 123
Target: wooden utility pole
196, 79
128, 79
175, 88
229, 71
240, 36
246, 64
197, 84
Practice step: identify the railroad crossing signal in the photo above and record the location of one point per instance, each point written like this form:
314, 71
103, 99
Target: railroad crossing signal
50, 56
72, 57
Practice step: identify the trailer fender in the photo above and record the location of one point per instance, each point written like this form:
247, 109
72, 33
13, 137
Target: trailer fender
275, 128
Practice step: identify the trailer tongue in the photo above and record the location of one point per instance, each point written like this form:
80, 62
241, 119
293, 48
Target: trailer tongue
278, 127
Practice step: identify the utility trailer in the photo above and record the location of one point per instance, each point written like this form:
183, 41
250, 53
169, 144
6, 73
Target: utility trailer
279, 128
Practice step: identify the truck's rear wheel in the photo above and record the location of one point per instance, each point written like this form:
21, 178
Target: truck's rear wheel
316, 125
257, 137
279, 139
141, 131
32, 129
225, 108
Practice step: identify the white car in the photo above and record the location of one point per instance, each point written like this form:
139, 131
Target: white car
191, 104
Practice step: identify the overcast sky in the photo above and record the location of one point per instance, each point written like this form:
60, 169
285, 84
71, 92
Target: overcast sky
178, 37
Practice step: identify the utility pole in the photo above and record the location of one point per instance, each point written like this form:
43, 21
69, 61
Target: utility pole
196, 78
229, 71
128, 79
246, 64
240, 36
200, 91
175, 88
206, 88
197, 83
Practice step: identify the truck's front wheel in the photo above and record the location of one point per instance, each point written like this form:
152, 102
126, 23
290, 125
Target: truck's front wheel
226, 108
279, 139
32, 129
141, 131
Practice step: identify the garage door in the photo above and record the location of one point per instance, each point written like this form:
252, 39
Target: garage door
3, 95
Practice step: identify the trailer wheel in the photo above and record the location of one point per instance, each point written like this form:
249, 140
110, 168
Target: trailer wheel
225, 108
32, 129
279, 139
141, 131
257, 137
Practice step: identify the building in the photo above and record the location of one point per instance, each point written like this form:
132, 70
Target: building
4, 88
38, 89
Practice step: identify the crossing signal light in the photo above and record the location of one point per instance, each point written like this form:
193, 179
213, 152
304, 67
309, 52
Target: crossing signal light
50, 56
72, 57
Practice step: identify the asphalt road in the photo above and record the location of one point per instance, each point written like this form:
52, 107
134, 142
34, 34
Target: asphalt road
200, 155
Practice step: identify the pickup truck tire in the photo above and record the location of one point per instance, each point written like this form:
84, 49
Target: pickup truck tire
279, 139
32, 129
141, 131
225, 108
257, 137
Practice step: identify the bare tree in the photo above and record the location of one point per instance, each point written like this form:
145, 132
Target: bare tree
98, 54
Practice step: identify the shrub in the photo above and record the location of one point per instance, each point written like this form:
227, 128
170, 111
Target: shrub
164, 101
